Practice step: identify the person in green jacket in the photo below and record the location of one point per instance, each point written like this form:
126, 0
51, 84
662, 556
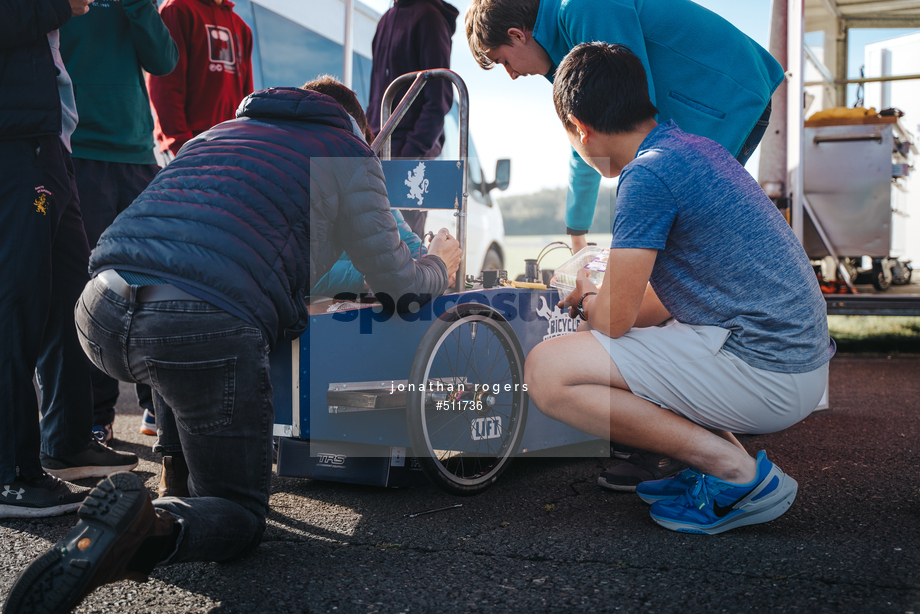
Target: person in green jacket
106, 53
703, 73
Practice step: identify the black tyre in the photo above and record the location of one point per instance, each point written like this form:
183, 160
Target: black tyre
465, 439
881, 278
851, 270
901, 273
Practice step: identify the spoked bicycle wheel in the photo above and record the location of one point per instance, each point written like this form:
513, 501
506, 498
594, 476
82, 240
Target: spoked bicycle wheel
466, 405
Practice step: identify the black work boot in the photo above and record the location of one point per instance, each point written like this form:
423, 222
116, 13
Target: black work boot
120, 536
174, 477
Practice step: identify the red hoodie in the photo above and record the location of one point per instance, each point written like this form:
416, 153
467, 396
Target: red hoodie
213, 75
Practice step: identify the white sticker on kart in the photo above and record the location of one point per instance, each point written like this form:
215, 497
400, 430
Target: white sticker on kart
486, 428
558, 322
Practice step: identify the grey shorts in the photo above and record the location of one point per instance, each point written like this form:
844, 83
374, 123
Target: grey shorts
685, 369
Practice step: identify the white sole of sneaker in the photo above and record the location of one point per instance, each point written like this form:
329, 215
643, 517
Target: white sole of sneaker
12, 511
617, 487
650, 500
80, 473
777, 504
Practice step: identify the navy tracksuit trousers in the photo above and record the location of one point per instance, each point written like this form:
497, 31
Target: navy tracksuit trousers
43, 269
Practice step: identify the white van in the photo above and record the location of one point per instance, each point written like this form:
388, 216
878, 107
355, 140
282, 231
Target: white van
295, 41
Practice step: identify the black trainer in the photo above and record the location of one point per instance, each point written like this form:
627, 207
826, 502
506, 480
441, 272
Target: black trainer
96, 461
639, 467
40, 497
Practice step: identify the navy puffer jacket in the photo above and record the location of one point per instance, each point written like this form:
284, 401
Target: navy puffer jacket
30, 104
256, 209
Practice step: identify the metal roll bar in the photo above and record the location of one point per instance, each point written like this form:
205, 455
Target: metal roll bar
381, 145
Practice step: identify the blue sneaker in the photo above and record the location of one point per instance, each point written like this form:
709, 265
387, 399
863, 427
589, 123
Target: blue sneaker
148, 423
712, 505
668, 488
103, 433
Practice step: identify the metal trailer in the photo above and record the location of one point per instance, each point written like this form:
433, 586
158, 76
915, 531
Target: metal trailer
783, 151
850, 167
372, 397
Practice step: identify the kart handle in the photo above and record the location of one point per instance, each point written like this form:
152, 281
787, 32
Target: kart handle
381, 145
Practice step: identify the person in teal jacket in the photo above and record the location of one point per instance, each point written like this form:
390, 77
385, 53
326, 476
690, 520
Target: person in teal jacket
106, 54
703, 73
344, 278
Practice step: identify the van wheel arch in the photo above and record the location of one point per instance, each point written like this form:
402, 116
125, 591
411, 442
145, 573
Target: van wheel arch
494, 259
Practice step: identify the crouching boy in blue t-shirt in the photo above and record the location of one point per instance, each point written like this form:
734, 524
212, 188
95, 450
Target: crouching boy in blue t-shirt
694, 239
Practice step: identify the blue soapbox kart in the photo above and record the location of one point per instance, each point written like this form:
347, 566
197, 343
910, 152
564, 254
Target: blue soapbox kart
371, 396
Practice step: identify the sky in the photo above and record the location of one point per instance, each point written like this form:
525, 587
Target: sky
516, 119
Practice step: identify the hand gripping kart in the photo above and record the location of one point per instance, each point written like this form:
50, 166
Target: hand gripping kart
370, 396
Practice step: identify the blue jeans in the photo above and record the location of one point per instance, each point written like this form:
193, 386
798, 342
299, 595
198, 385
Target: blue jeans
44, 254
210, 376
756, 135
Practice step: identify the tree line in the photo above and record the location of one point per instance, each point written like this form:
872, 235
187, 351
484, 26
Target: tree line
543, 212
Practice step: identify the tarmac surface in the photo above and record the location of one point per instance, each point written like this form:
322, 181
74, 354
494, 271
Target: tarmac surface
546, 538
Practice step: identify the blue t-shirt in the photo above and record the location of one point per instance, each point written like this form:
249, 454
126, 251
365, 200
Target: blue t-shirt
726, 257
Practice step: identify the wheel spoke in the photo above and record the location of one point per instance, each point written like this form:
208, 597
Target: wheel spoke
465, 355
440, 428
453, 443
485, 350
457, 340
505, 416
503, 378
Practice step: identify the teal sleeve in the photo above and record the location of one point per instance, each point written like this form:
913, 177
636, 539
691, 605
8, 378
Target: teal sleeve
580, 24
581, 198
342, 277
412, 240
155, 48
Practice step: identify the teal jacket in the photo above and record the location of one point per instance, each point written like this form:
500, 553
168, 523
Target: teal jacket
106, 52
343, 277
704, 74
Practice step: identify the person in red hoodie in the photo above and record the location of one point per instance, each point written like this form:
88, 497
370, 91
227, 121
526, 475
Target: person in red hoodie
213, 75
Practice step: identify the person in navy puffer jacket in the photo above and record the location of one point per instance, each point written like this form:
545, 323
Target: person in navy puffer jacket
193, 284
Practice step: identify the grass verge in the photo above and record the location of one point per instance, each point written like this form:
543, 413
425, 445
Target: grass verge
875, 334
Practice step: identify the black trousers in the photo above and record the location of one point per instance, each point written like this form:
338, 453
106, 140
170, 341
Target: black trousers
106, 189
43, 256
